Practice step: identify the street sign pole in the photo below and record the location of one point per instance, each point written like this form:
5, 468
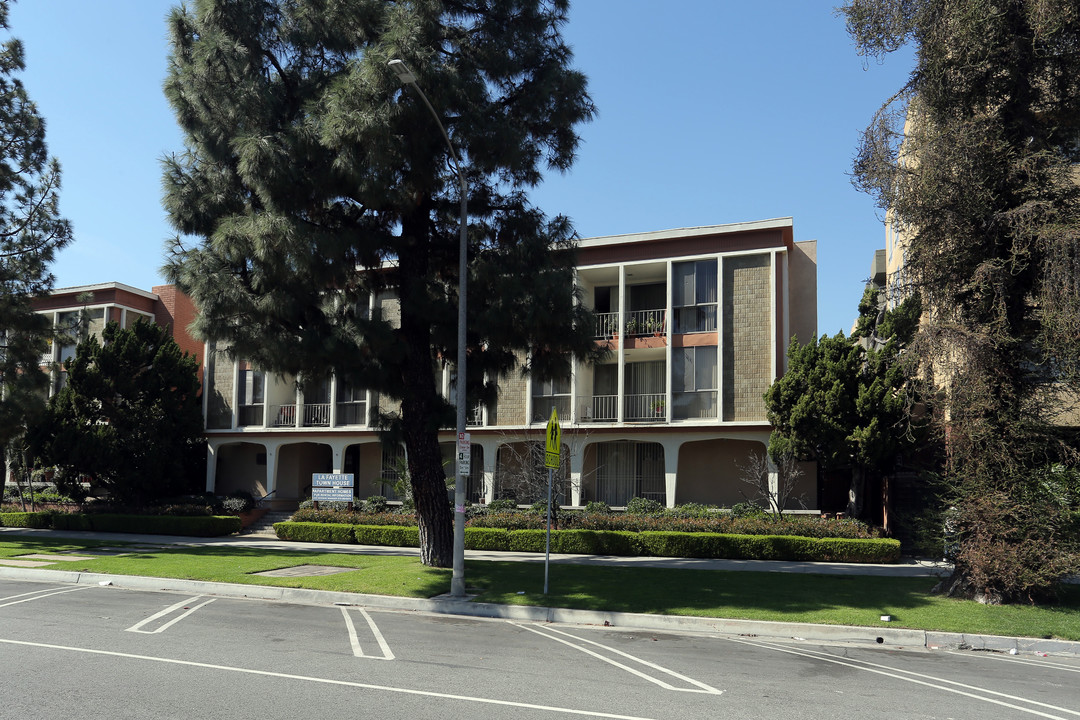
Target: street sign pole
552, 454
547, 547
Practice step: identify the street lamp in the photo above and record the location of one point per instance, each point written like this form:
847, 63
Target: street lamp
457, 581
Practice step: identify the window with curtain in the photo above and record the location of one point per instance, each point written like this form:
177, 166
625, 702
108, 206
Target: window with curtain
693, 298
695, 382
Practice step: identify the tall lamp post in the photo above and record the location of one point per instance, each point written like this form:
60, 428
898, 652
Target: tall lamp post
457, 581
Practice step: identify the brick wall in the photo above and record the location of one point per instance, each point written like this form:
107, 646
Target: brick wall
176, 311
746, 337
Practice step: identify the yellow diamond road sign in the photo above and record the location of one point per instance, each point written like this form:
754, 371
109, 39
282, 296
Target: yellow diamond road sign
554, 441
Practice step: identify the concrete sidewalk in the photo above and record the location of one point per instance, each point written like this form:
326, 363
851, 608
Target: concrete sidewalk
796, 632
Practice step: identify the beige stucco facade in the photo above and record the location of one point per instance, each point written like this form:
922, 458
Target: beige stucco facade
697, 321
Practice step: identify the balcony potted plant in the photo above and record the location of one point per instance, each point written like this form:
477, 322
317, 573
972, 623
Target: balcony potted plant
658, 407
632, 326
656, 327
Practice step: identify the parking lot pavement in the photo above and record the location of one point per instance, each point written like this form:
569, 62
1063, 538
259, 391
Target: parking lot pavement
97, 652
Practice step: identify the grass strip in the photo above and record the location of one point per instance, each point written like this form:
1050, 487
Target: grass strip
787, 597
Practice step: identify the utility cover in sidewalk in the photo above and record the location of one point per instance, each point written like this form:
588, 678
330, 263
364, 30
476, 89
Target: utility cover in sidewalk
305, 571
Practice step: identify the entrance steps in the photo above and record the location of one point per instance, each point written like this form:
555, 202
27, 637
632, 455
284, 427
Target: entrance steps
264, 526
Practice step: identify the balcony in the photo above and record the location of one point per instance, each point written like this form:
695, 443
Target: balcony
316, 414
647, 407
638, 323
474, 416
282, 416
645, 322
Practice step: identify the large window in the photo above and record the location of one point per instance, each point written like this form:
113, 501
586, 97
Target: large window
351, 404
550, 393
252, 396
694, 382
694, 296
626, 470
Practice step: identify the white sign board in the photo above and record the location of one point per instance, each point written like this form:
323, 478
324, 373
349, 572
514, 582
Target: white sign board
328, 487
464, 454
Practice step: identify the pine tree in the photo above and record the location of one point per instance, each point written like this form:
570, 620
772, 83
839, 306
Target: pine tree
974, 160
312, 181
31, 230
129, 417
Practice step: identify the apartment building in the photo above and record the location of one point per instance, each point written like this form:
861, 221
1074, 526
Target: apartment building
698, 322
86, 309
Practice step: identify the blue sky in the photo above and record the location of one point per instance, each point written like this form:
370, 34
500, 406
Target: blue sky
710, 112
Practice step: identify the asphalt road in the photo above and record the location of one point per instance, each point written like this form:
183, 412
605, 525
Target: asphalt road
89, 652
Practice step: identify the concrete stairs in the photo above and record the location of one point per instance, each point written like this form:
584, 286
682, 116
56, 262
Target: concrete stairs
264, 526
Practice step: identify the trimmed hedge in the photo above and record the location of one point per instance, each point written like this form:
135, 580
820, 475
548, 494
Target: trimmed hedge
315, 532
601, 542
394, 536
196, 526
25, 519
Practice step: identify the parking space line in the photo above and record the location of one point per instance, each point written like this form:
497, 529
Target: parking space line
917, 678
355, 642
1027, 661
327, 681
37, 595
183, 605
701, 687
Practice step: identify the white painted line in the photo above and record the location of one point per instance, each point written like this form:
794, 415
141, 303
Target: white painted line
169, 610
37, 595
1026, 661
934, 682
355, 642
325, 681
702, 687
387, 655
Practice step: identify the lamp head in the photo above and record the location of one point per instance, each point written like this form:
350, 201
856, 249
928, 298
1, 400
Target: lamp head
404, 74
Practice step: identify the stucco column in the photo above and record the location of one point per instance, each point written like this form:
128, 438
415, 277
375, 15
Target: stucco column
271, 467
774, 484
671, 469
337, 447
577, 469
491, 452
211, 467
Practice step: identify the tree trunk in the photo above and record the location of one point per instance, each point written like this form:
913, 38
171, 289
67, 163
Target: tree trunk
421, 406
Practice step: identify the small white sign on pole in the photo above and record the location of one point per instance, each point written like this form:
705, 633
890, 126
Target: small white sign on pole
464, 454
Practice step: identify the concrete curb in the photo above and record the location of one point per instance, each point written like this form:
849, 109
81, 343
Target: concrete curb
844, 634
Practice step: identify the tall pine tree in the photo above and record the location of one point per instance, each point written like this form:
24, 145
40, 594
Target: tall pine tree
975, 161
312, 181
31, 230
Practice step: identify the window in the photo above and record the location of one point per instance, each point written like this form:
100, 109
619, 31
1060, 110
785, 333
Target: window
252, 396
694, 296
695, 382
626, 470
646, 390
351, 404
550, 393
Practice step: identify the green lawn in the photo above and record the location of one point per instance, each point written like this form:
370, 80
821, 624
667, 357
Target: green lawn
829, 599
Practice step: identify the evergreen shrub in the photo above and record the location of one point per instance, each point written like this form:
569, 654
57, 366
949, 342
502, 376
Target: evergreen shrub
26, 519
